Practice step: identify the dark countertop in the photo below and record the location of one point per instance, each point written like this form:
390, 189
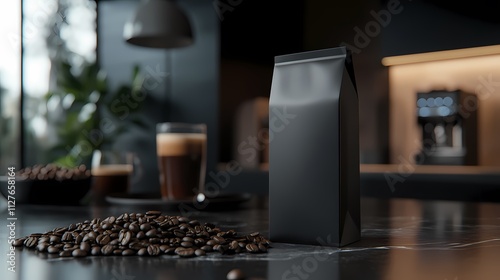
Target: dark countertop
401, 239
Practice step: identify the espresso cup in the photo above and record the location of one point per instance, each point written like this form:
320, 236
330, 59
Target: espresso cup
181, 151
112, 172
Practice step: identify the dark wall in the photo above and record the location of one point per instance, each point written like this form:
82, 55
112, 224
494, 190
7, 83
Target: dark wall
181, 84
435, 25
252, 34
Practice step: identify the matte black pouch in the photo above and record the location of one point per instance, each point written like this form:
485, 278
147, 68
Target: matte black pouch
314, 195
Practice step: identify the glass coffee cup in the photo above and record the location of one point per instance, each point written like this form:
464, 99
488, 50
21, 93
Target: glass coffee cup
113, 172
181, 150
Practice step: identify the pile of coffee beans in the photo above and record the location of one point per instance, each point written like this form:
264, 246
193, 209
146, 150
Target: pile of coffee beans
54, 172
148, 234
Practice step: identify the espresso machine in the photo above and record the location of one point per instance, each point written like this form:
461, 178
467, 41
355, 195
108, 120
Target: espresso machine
448, 123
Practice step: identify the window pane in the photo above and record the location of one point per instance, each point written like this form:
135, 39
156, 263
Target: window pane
10, 83
59, 44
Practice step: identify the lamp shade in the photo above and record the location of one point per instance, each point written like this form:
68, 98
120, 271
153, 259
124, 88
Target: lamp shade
158, 24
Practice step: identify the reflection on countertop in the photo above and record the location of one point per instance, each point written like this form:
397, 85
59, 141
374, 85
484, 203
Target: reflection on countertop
401, 239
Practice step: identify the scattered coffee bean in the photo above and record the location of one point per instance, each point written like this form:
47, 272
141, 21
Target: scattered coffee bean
235, 274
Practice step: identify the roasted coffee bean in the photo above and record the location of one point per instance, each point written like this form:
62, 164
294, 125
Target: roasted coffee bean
110, 219
212, 242
140, 235
220, 240
252, 248
43, 239
142, 252
19, 242
54, 239
151, 233
224, 249
170, 251
153, 213
154, 240
67, 236
103, 239
199, 252
42, 247
79, 253
53, 250
135, 246
126, 238
199, 241
65, 253
164, 247
206, 248
78, 239
85, 246
188, 239
179, 233
31, 242
107, 250
128, 252
175, 241
186, 252
145, 227
262, 248
153, 250
70, 247
235, 274
234, 245
134, 228
95, 251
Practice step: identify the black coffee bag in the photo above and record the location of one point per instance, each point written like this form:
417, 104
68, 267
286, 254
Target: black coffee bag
314, 195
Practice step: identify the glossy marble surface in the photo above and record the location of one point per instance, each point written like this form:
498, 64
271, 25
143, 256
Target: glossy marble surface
401, 239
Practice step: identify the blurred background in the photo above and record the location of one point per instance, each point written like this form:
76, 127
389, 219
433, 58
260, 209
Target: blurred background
427, 76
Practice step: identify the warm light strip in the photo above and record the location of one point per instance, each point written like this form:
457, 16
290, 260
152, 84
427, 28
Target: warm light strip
440, 55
